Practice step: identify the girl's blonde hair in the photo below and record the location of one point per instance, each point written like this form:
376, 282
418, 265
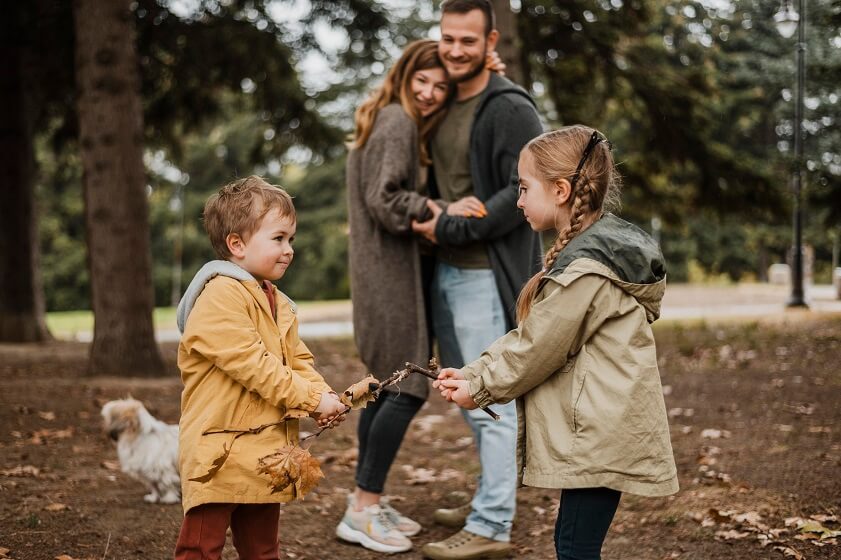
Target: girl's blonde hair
582, 156
418, 55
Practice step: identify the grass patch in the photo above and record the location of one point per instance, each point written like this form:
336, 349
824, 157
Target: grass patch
66, 324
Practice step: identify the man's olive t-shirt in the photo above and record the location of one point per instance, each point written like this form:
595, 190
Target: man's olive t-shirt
451, 160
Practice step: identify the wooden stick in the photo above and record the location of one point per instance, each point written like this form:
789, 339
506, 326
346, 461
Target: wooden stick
414, 368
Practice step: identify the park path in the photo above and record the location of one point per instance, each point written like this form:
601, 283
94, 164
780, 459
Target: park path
682, 302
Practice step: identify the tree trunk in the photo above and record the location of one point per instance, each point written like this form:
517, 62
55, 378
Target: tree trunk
21, 296
509, 41
116, 208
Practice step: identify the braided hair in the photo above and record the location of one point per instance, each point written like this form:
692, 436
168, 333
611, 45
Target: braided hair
594, 183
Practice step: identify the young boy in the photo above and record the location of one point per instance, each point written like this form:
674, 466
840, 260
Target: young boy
243, 366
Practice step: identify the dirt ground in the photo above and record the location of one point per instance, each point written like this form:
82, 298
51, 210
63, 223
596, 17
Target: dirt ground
756, 426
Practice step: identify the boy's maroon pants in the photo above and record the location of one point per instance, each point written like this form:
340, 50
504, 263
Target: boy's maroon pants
254, 528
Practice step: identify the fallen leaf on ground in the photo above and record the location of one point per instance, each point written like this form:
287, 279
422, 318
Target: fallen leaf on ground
46, 415
732, 534
711, 433
422, 475
40, 437
110, 465
788, 551
56, 507
21, 470
360, 393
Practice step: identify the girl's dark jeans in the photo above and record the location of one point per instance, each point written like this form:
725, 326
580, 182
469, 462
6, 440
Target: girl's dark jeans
583, 520
382, 425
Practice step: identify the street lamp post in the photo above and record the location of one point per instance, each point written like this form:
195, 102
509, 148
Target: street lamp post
788, 21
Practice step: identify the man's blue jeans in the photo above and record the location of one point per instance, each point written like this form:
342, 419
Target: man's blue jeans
468, 317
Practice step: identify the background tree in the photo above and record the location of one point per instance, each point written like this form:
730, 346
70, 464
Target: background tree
22, 301
114, 178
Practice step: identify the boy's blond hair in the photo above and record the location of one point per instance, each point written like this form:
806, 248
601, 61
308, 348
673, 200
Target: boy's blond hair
239, 207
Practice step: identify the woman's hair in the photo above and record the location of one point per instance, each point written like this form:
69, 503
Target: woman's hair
582, 156
418, 55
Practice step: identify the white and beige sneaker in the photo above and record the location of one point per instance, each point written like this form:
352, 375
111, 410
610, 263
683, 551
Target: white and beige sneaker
405, 525
373, 528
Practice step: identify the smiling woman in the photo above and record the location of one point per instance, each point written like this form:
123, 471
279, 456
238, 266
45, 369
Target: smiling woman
385, 193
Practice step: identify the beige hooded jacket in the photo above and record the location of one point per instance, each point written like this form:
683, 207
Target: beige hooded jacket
583, 368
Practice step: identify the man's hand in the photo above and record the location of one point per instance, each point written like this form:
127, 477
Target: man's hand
457, 391
427, 228
494, 63
468, 207
329, 410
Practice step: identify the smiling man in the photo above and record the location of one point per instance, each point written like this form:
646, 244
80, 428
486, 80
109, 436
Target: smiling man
482, 260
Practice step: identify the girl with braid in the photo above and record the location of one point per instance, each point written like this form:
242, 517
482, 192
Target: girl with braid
582, 362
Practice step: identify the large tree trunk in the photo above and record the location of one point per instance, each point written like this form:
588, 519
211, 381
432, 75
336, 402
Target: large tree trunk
21, 297
116, 211
509, 41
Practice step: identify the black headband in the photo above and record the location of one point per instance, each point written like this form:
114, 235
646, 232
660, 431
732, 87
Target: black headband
595, 138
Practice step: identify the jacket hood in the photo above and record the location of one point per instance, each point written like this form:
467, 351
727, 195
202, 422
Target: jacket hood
622, 252
202, 277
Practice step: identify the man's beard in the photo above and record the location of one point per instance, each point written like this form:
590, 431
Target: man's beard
473, 72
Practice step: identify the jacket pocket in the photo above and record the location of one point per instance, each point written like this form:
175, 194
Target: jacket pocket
579, 374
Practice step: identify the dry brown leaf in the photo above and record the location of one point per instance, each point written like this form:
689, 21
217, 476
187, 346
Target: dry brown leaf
360, 393
731, 534
110, 465
46, 415
21, 470
64, 557
217, 464
56, 507
720, 515
788, 551
4, 552
40, 437
291, 465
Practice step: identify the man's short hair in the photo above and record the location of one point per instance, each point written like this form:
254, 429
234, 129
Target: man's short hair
464, 6
239, 207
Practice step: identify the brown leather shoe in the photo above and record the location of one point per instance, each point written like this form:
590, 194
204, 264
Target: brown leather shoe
452, 517
465, 545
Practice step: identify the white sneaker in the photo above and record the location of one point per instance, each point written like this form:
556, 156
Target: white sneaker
372, 528
405, 525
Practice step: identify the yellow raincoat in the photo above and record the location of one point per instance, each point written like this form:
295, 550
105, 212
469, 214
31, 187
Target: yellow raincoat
241, 369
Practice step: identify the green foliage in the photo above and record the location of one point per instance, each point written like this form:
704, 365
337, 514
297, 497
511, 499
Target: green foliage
320, 268
696, 97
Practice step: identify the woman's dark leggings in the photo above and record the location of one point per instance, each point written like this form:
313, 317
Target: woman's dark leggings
583, 520
382, 425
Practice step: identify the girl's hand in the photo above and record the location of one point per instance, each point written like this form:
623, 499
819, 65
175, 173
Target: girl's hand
494, 63
469, 207
448, 373
457, 391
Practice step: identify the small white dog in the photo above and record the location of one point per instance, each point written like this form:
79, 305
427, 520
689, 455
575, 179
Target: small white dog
147, 448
